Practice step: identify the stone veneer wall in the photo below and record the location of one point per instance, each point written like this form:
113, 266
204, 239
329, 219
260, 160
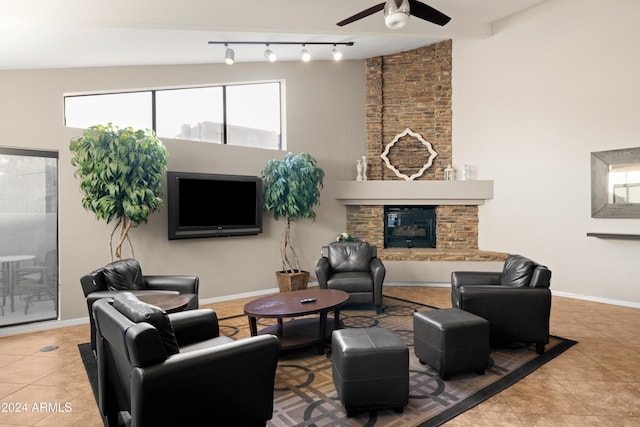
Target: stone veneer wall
412, 90
409, 90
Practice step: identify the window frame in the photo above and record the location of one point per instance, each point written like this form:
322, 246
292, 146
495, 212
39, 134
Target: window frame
225, 124
54, 155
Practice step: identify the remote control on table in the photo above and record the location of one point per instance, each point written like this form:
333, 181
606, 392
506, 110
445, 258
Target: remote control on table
308, 300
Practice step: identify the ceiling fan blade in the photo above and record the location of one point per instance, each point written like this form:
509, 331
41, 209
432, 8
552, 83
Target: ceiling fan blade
422, 11
360, 15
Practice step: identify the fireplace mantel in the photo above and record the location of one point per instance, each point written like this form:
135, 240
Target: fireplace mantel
417, 192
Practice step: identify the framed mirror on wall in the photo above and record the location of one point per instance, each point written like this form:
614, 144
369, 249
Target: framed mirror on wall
615, 183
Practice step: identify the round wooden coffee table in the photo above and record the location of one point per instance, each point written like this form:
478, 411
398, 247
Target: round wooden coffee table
298, 332
170, 303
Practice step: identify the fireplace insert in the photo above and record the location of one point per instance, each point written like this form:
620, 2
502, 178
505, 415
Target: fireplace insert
410, 226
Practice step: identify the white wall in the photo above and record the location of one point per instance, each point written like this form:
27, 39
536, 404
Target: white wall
529, 106
325, 117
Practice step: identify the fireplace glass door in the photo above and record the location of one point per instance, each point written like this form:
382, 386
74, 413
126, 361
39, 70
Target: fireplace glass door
410, 227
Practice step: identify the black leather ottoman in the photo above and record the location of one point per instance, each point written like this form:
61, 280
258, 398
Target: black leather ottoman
370, 369
451, 341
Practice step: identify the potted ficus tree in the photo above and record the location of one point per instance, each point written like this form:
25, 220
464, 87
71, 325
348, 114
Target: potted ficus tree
291, 190
120, 172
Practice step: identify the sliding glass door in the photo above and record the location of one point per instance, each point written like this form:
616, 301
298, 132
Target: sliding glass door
28, 236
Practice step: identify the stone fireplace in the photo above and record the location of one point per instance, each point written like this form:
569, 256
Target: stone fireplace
456, 235
456, 210
412, 90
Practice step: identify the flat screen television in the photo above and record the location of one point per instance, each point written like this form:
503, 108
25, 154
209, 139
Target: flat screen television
213, 205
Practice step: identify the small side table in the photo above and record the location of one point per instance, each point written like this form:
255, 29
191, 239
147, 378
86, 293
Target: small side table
168, 302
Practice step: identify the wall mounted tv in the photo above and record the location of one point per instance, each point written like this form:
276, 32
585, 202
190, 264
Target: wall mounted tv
213, 205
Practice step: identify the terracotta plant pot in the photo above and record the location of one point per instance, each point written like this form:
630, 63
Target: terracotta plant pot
292, 281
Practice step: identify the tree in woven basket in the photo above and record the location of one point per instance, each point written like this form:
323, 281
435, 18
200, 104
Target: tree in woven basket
120, 172
291, 191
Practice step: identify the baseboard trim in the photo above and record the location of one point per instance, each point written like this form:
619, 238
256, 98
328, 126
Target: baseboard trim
42, 326
598, 299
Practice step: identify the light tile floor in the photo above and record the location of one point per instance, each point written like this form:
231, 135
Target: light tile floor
595, 383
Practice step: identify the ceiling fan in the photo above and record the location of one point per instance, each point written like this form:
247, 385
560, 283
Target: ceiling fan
396, 13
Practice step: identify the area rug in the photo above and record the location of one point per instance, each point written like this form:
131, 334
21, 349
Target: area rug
305, 394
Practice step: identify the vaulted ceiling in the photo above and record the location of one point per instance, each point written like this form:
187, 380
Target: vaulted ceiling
88, 33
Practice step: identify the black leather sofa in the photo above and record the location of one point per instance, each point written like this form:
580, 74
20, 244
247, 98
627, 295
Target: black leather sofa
515, 301
353, 267
126, 275
156, 369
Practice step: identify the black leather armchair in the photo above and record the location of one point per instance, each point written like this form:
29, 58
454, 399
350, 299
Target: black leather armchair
353, 267
156, 369
516, 301
126, 275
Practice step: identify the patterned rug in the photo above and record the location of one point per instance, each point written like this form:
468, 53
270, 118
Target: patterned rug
305, 394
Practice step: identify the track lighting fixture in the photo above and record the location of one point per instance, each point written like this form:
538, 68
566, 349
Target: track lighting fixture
271, 56
228, 56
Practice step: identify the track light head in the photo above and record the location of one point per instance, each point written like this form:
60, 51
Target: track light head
337, 55
268, 53
304, 54
228, 56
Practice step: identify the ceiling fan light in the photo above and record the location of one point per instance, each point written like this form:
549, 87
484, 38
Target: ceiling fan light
268, 53
396, 17
228, 56
304, 53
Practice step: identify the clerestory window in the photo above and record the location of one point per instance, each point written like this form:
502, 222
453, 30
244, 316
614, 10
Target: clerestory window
248, 115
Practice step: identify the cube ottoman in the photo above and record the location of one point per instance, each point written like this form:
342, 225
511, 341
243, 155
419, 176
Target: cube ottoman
452, 341
370, 369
